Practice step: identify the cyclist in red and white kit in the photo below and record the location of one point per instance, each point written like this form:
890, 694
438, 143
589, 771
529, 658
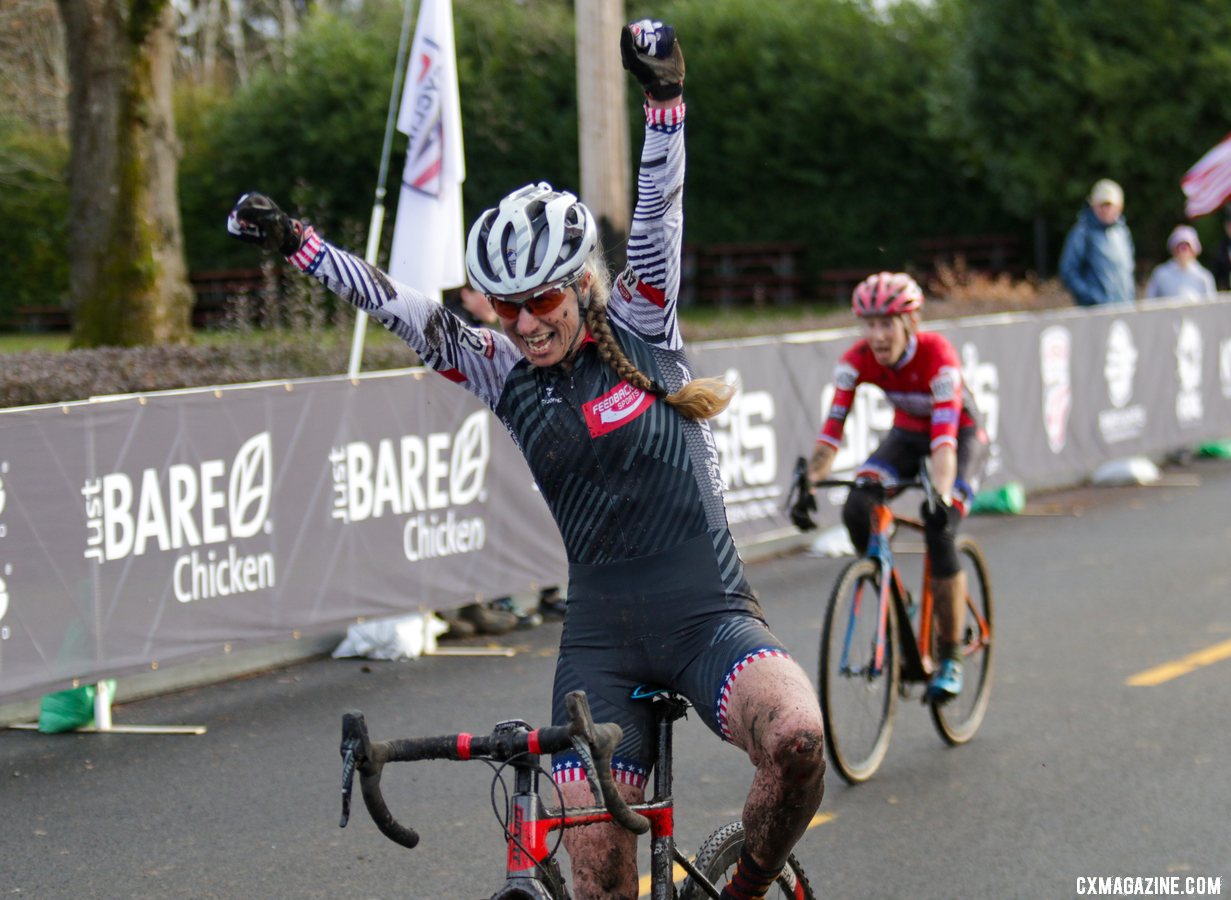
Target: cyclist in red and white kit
934, 415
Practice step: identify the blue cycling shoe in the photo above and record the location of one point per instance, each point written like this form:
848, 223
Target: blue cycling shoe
947, 682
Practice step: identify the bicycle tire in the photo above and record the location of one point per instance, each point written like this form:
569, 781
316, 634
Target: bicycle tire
958, 719
857, 706
717, 858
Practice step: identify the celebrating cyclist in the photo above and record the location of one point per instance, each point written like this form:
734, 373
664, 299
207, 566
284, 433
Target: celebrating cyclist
594, 386
934, 415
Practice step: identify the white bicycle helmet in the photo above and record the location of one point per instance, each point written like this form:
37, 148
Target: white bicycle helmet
536, 238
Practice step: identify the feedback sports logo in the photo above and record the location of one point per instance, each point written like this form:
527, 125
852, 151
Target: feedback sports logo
1055, 366
422, 478
197, 508
1126, 420
1189, 408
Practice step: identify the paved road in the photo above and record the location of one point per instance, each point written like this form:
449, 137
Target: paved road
1075, 772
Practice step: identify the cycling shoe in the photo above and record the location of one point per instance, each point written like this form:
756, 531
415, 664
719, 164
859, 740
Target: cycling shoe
947, 682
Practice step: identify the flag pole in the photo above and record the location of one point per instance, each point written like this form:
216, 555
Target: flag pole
378, 207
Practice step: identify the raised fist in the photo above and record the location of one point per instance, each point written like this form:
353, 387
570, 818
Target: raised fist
651, 53
258, 220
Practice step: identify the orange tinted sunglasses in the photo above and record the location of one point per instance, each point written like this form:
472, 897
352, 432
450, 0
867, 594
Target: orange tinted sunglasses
538, 305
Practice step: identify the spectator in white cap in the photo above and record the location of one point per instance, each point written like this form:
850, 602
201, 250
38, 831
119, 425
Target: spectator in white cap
1098, 261
1182, 275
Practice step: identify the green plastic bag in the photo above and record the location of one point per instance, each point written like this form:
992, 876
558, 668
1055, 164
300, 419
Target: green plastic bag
1215, 450
1008, 500
69, 710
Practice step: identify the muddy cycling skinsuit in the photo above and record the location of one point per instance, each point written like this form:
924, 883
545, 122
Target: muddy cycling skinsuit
656, 590
932, 408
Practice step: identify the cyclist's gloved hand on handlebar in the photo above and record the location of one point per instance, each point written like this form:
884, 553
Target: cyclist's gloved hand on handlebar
802, 509
651, 53
938, 516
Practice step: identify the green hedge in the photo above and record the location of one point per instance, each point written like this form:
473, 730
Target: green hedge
807, 122
35, 377
34, 220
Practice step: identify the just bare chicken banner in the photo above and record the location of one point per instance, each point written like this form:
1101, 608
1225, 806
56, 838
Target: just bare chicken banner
158, 528
155, 529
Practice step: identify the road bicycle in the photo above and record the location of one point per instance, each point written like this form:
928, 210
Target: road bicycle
532, 871
878, 641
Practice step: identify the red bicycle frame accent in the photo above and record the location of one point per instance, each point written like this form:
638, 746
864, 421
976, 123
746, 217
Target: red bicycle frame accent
529, 842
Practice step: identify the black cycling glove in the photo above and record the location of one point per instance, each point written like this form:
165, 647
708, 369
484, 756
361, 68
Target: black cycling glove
801, 511
258, 220
651, 53
939, 516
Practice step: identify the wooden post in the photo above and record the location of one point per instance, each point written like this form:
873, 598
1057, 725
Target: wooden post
602, 123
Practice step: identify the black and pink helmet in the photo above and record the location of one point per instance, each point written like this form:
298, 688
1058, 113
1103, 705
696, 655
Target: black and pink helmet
887, 294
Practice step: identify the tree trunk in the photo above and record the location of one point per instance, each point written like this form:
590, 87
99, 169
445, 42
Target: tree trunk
128, 282
602, 122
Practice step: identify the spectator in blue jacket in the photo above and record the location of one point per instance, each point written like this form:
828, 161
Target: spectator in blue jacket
1098, 262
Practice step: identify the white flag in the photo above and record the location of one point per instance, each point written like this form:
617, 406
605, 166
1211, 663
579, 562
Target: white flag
428, 244
1208, 183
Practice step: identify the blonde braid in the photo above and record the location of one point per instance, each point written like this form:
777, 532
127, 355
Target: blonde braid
701, 398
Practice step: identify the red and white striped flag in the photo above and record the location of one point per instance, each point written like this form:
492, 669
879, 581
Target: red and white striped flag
1208, 183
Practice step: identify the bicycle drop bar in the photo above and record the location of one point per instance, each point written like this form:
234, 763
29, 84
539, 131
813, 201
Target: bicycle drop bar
595, 744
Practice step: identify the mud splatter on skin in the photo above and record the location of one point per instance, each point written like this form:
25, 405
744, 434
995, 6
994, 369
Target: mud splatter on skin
777, 812
781, 732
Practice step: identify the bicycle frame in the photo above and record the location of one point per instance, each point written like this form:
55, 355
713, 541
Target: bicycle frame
530, 825
917, 663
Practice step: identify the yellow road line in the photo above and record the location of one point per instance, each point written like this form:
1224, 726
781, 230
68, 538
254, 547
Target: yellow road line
677, 872
1190, 663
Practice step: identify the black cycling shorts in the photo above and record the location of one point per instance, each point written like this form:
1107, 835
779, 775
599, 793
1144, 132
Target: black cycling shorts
663, 621
897, 459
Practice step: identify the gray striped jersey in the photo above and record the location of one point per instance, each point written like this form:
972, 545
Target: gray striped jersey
623, 474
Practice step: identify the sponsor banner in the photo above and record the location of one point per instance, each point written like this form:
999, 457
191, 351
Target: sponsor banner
145, 530
1059, 393
141, 531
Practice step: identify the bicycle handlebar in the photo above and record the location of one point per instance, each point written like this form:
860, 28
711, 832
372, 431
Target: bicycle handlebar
922, 481
594, 743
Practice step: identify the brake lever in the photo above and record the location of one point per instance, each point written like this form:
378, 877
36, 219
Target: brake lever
925, 475
355, 749
798, 482
582, 748
348, 778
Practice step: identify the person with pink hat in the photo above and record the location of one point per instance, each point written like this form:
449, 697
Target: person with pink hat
1182, 275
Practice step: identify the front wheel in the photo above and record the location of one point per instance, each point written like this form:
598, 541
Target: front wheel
958, 719
858, 678
716, 861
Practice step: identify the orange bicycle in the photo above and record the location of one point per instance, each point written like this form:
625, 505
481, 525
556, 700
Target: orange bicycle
878, 641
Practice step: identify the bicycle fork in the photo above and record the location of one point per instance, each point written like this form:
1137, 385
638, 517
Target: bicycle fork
882, 554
